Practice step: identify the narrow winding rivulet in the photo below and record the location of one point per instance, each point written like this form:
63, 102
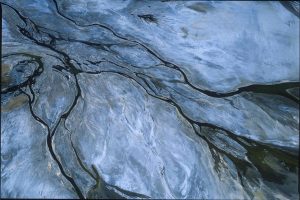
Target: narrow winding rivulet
149, 99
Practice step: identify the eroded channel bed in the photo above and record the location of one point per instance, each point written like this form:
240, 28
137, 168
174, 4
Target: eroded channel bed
149, 99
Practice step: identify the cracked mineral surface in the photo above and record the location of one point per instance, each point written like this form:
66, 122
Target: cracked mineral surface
149, 99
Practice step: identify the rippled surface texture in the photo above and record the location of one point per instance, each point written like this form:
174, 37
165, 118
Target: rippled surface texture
149, 99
